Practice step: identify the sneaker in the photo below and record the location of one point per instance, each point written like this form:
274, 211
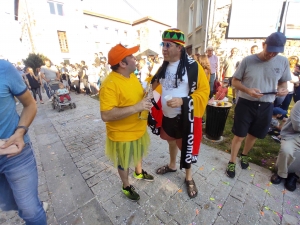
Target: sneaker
244, 161
50, 100
230, 171
143, 176
41, 102
45, 206
130, 193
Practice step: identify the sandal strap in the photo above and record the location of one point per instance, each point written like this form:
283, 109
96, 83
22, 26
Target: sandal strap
190, 182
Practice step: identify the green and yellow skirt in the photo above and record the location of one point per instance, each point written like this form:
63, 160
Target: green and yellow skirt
127, 153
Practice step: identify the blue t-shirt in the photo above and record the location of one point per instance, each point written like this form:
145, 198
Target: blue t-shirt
11, 84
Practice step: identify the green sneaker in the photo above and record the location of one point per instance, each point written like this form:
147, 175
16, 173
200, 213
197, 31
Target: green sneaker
244, 161
130, 193
143, 176
230, 171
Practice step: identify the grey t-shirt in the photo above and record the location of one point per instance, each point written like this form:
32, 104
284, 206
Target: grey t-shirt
230, 66
263, 75
291, 128
50, 73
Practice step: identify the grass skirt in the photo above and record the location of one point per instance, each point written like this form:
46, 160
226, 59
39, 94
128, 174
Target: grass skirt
127, 153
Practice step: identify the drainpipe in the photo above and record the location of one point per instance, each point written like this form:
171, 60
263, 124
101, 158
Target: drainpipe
207, 24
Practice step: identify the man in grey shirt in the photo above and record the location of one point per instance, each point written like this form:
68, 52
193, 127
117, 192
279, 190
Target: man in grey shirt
259, 78
290, 143
49, 73
228, 70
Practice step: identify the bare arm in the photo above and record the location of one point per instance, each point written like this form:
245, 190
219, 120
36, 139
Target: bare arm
26, 118
83, 74
282, 89
117, 113
44, 77
57, 75
218, 75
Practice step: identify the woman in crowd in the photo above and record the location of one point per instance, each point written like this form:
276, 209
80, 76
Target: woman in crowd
203, 60
34, 84
293, 88
75, 83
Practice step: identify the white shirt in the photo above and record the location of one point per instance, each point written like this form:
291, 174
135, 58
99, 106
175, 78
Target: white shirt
290, 85
168, 85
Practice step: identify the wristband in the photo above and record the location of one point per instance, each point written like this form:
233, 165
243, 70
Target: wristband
22, 127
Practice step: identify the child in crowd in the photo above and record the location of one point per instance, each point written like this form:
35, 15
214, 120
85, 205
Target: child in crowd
222, 90
62, 92
275, 126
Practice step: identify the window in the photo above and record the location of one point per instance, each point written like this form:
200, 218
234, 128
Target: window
63, 43
51, 6
191, 18
59, 9
198, 50
56, 8
199, 13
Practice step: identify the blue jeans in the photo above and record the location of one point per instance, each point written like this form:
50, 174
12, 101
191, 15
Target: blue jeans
19, 187
47, 90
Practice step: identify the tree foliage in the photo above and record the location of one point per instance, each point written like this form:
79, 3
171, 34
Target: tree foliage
34, 61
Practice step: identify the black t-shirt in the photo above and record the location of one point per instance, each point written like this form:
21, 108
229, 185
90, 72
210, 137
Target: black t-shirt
84, 68
32, 81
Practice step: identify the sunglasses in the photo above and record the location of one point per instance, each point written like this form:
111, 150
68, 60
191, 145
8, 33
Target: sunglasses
167, 44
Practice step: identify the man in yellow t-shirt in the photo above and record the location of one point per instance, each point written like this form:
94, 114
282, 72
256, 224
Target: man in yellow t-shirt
121, 101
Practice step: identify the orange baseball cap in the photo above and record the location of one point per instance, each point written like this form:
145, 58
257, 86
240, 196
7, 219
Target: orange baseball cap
119, 52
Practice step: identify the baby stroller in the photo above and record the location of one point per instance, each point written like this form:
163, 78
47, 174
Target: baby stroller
56, 103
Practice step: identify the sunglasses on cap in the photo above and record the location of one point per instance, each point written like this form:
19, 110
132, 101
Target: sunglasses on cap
167, 44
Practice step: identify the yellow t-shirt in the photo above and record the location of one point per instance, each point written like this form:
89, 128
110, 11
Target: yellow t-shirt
119, 91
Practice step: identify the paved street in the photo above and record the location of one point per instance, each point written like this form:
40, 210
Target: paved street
82, 187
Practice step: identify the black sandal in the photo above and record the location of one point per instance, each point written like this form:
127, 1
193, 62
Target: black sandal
164, 169
191, 188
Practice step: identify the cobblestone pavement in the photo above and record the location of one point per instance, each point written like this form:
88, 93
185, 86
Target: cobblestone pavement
82, 186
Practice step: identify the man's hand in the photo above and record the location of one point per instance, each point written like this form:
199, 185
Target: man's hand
145, 104
282, 92
14, 145
254, 92
175, 102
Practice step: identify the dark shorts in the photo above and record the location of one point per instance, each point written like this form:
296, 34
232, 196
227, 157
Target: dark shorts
252, 117
172, 127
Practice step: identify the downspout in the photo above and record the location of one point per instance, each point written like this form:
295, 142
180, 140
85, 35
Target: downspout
207, 24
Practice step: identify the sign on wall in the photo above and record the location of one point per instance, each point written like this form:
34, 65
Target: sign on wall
254, 18
291, 19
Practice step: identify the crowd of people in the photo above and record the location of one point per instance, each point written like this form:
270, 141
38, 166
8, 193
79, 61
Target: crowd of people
77, 77
181, 87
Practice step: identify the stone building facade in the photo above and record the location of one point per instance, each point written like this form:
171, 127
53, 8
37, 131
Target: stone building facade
215, 16
65, 31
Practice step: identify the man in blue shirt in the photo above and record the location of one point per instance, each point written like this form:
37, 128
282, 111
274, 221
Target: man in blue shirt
18, 170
